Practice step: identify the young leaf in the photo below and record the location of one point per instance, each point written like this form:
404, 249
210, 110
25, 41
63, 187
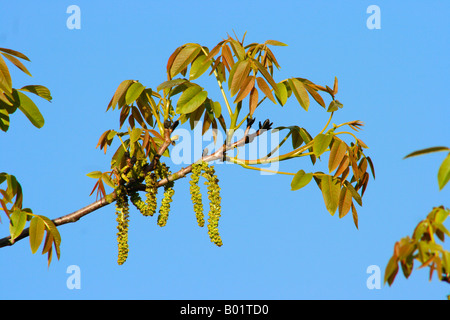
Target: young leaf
5, 77
37, 228
238, 74
321, 143
133, 92
345, 202
199, 66
30, 110
265, 88
17, 63
425, 151
15, 53
94, 174
38, 90
253, 102
444, 172
191, 99
337, 153
330, 191
247, 86
300, 180
120, 91
354, 193
300, 92
183, 58
4, 120
315, 95
282, 94
18, 220
276, 43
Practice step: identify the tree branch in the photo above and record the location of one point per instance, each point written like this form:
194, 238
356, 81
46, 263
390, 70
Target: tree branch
110, 198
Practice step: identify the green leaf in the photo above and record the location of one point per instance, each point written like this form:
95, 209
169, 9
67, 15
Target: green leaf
321, 143
391, 270
282, 94
18, 220
170, 84
330, 191
354, 193
444, 172
183, 58
94, 174
30, 110
276, 43
199, 66
4, 120
334, 106
425, 151
300, 180
300, 92
5, 77
217, 108
37, 228
135, 135
191, 99
107, 179
133, 92
38, 90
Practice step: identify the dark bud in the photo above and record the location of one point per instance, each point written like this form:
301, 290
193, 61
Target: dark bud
267, 125
167, 124
174, 125
250, 122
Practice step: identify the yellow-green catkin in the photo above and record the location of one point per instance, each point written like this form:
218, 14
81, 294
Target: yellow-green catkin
122, 218
167, 198
151, 190
214, 204
138, 203
196, 196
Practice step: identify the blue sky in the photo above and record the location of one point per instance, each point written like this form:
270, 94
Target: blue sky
278, 244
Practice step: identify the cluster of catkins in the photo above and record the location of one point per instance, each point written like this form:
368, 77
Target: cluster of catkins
147, 208
208, 173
